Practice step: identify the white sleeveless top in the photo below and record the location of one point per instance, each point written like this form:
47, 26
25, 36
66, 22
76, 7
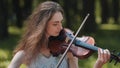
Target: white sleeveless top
48, 62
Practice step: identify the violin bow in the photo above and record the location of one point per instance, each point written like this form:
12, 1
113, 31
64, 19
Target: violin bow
64, 54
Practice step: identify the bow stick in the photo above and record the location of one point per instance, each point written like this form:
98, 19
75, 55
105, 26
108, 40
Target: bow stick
64, 54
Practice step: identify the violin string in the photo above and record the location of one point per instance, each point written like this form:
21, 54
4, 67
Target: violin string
64, 54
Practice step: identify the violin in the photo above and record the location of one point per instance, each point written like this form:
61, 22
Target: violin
82, 47
59, 44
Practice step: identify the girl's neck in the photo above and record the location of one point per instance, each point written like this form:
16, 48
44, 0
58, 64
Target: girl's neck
47, 36
44, 48
45, 51
45, 44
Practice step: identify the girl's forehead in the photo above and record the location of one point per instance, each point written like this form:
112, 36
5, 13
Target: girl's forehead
57, 17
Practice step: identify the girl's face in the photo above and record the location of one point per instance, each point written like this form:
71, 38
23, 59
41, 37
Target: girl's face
54, 26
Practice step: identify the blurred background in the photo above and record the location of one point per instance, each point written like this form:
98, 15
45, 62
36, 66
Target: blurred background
103, 25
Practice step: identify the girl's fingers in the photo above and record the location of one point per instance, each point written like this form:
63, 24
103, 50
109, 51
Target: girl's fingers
107, 54
103, 55
100, 54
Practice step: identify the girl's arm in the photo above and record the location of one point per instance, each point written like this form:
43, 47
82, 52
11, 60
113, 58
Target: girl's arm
17, 60
72, 60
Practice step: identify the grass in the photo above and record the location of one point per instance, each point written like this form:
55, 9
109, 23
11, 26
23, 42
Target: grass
105, 38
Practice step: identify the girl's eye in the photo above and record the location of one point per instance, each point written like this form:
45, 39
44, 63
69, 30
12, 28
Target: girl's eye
55, 24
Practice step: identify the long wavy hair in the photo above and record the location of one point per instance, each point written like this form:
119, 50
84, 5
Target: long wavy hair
35, 35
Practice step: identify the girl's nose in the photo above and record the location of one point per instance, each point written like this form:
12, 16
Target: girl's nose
60, 27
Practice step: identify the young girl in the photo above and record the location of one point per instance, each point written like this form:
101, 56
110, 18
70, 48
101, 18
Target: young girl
33, 50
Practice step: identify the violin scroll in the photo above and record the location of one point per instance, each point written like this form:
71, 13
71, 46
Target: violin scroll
115, 57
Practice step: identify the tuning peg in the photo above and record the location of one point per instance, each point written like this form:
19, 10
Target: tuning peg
112, 55
118, 55
117, 58
113, 51
115, 62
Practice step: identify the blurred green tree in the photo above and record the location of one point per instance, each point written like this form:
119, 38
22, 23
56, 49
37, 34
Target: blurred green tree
3, 19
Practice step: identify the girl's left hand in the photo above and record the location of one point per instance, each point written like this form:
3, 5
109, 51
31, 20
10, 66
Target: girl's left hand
103, 57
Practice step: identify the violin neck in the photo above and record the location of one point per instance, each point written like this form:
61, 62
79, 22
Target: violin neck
85, 45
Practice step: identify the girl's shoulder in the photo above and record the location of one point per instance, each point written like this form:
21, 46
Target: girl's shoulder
20, 53
17, 59
18, 56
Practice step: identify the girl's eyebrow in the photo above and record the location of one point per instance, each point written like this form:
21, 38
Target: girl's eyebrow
57, 21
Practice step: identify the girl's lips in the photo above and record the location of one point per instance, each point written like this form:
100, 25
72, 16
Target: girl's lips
58, 32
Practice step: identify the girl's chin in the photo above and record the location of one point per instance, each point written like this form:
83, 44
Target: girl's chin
55, 35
